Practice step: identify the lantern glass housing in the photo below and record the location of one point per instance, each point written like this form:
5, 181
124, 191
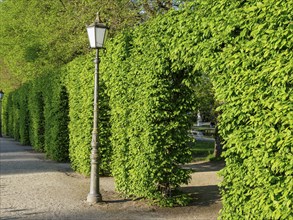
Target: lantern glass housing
97, 33
1, 94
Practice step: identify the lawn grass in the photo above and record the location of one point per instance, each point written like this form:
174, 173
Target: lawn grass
201, 150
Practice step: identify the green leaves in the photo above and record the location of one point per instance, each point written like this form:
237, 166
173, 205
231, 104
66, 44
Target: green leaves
37, 114
41, 36
54, 114
251, 80
78, 79
149, 76
149, 103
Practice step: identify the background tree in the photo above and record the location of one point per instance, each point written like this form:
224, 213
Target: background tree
38, 36
203, 91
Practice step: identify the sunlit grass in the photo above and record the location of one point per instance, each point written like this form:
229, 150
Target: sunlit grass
201, 150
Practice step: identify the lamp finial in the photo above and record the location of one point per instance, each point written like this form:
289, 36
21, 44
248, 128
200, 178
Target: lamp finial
98, 18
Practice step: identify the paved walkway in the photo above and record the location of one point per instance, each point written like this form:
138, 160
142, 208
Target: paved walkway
32, 187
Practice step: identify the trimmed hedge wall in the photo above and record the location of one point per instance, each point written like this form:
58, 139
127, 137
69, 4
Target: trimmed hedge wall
150, 103
245, 46
24, 118
56, 117
254, 82
80, 83
37, 114
36, 107
54, 114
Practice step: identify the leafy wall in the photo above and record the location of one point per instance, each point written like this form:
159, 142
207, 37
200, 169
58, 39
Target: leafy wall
54, 115
36, 114
253, 78
150, 104
36, 105
80, 83
246, 47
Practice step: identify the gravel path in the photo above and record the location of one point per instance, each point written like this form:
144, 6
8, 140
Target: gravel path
32, 187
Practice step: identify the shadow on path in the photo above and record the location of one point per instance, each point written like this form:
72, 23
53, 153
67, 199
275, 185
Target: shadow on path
206, 166
18, 159
15, 213
64, 195
202, 195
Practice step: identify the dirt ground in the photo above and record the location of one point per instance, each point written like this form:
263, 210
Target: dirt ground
32, 187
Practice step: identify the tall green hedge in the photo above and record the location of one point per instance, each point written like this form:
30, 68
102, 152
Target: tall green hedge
7, 115
15, 116
56, 139
147, 79
254, 81
37, 114
36, 106
54, 114
24, 117
79, 80
150, 102
246, 47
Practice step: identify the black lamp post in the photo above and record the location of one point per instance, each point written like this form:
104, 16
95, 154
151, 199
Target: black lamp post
1, 96
97, 35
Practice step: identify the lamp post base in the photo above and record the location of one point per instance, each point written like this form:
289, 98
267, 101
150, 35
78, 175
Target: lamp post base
94, 198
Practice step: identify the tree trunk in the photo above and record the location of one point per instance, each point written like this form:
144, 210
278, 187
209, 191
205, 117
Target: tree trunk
218, 145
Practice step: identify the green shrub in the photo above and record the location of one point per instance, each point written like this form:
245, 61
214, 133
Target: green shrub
246, 47
149, 74
79, 80
36, 108
15, 116
56, 117
6, 115
37, 114
54, 114
24, 116
150, 100
252, 72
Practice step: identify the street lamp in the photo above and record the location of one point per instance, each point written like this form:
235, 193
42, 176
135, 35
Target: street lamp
1, 96
97, 35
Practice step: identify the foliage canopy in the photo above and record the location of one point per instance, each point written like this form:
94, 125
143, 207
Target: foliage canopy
149, 75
